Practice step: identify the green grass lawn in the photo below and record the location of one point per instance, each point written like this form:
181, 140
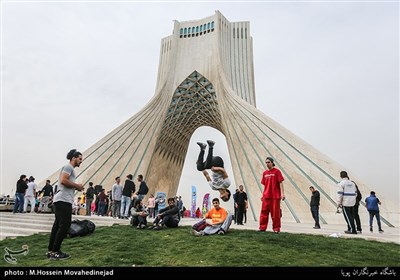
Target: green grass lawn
125, 246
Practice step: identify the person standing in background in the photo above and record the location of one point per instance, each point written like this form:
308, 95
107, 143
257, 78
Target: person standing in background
20, 195
63, 200
346, 199
240, 205
47, 191
234, 206
116, 196
151, 204
314, 206
373, 209
355, 212
126, 200
30, 195
143, 189
89, 199
273, 193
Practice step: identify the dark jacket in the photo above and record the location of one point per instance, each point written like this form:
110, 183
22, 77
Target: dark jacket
314, 198
129, 188
359, 196
143, 189
90, 193
21, 186
170, 210
47, 190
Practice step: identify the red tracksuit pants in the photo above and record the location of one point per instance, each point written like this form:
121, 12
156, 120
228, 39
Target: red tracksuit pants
273, 206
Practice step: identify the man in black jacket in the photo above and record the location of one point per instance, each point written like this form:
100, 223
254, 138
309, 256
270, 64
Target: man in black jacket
314, 205
143, 189
47, 192
355, 210
89, 199
127, 191
168, 216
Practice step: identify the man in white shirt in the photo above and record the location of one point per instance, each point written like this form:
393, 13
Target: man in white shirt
346, 199
30, 195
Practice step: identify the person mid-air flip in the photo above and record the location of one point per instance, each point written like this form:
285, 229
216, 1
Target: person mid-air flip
219, 180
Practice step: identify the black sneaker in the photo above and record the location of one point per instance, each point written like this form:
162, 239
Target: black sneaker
370, 229
202, 145
380, 230
59, 256
210, 143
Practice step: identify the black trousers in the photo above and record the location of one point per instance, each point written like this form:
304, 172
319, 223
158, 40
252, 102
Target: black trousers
201, 165
348, 216
240, 213
168, 221
357, 217
315, 214
61, 225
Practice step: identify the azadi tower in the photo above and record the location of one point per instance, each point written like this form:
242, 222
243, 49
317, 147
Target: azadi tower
206, 78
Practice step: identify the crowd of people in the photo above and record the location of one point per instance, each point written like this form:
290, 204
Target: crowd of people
27, 196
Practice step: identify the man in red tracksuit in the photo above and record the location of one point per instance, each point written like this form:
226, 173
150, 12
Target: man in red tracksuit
273, 193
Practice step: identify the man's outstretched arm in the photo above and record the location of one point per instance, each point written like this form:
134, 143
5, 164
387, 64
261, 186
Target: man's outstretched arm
205, 173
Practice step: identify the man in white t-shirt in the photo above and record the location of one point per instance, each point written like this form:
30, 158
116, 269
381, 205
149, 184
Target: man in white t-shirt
30, 195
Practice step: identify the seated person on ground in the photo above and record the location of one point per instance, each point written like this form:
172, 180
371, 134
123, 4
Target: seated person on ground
219, 180
139, 214
220, 220
76, 206
168, 216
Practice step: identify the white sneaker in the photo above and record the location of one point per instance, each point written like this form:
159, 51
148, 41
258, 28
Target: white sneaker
196, 233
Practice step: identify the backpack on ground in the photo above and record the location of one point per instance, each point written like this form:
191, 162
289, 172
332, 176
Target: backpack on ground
81, 228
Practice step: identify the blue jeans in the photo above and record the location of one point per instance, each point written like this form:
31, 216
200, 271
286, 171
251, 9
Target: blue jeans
19, 203
125, 203
371, 217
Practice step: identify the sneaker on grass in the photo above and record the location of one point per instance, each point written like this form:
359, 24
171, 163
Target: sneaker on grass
196, 233
59, 256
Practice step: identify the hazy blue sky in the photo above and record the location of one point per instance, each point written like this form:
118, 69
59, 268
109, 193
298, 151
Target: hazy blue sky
73, 71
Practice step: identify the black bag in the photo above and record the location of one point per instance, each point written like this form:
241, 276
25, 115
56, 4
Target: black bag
81, 228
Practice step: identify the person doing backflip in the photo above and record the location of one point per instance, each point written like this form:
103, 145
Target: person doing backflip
219, 180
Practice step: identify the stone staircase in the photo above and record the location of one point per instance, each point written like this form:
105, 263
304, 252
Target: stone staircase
13, 225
